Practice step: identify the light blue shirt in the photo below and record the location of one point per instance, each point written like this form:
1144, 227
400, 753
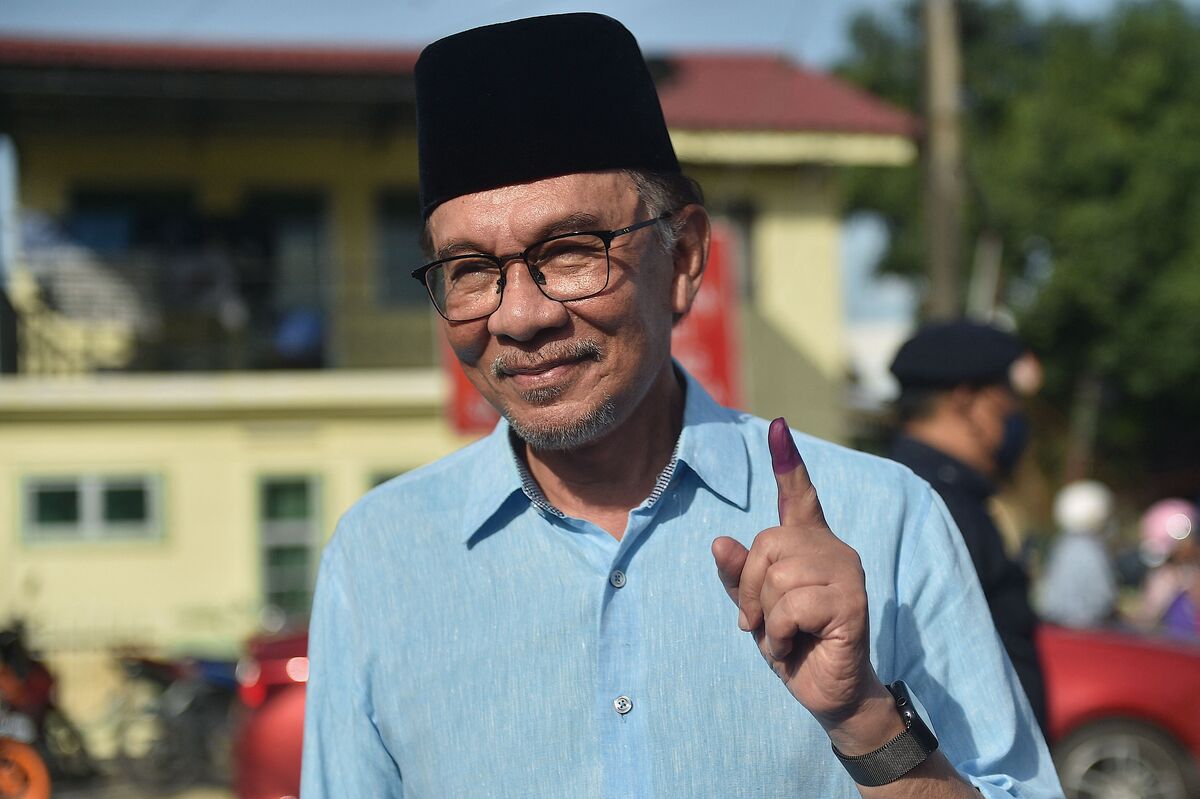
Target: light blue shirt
468, 640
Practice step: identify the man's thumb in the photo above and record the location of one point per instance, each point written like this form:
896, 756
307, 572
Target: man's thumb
730, 556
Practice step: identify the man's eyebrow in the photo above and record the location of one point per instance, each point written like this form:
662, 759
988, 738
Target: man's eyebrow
572, 223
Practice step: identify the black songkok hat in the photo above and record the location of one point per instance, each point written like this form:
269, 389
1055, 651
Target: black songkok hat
945, 354
532, 99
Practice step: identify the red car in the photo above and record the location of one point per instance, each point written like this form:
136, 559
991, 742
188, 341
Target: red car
1124, 715
267, 748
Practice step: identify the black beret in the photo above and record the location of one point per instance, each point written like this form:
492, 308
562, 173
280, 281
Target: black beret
531, 99
957, 352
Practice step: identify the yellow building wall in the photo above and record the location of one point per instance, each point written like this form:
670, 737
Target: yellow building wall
793, 355
198, 588
200, 584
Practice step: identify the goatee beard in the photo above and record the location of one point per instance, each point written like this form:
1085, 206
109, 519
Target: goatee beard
569, 435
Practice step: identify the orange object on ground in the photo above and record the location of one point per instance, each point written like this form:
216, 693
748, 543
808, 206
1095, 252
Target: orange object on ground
23, 775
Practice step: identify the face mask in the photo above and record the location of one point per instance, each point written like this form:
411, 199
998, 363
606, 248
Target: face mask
1012, 445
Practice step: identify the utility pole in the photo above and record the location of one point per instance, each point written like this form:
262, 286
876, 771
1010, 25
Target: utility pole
944, 185
8, 253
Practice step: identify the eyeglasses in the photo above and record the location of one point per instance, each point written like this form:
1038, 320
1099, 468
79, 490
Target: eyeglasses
569, 266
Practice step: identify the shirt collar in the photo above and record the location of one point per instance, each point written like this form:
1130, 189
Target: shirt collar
489, 479
710, 444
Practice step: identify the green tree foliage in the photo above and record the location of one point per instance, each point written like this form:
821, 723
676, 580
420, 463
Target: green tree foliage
1083, 155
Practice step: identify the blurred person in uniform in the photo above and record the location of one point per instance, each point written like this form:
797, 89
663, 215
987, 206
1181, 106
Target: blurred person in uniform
1078, 587
962, 430
1171, 593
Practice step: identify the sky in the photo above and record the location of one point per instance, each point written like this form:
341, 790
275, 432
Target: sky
811, 31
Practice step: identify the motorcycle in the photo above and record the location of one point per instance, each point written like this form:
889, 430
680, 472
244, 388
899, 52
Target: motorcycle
27, 699
23, 773
175, 728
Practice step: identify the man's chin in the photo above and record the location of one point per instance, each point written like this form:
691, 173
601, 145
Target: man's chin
561, 431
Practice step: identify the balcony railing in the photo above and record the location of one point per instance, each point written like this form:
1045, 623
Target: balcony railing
78, 313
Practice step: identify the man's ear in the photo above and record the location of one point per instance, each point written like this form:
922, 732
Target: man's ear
689, 257
962, 398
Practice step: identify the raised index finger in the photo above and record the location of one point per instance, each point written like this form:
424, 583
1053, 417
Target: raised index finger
798, 501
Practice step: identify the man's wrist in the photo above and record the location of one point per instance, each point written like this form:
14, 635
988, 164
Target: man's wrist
898, 756
874, 724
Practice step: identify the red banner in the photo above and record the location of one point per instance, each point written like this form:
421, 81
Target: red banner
705, 342
469, 412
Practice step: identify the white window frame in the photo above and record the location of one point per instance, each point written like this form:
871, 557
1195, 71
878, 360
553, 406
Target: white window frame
91, 526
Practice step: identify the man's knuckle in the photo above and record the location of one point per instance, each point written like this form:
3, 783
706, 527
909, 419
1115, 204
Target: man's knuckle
777, 577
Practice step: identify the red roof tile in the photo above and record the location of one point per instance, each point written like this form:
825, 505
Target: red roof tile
189, 56
764, 92
698, 91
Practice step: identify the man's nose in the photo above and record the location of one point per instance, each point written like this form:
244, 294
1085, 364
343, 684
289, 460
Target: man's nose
524, 310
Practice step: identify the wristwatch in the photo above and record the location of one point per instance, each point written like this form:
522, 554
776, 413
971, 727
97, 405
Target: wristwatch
898, 756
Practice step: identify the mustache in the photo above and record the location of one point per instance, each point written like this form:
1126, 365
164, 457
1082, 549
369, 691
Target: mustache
507, 364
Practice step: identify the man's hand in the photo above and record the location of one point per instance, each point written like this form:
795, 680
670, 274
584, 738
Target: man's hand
801, 591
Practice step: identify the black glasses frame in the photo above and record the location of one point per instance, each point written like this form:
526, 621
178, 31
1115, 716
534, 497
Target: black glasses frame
500, 261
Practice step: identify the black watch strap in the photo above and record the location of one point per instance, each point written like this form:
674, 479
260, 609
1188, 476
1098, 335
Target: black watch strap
898, 756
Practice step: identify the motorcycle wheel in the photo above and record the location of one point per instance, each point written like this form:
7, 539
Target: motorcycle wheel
23, 775
66, 752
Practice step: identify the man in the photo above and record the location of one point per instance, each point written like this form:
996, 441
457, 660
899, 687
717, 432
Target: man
538, 614
962, 430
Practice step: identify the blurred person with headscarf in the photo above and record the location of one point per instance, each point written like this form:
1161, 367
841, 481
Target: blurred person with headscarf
1078, 587
1171, 594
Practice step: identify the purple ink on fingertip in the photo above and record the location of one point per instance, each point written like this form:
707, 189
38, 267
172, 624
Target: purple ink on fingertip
784, 455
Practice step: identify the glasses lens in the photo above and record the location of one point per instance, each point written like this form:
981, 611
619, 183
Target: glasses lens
570, 268
465, 288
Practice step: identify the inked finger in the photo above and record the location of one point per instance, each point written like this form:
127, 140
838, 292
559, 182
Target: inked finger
798, 501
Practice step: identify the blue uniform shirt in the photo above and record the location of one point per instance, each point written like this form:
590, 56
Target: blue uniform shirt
468, 640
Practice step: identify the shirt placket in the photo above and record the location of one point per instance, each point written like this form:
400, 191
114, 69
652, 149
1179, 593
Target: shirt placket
621, 701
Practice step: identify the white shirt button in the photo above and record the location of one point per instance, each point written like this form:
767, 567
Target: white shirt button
617, 578
622, 704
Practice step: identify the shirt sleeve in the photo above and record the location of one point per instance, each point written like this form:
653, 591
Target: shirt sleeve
948, 652
344, 754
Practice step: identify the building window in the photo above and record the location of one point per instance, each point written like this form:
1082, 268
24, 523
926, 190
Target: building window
91, 507
289, 539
